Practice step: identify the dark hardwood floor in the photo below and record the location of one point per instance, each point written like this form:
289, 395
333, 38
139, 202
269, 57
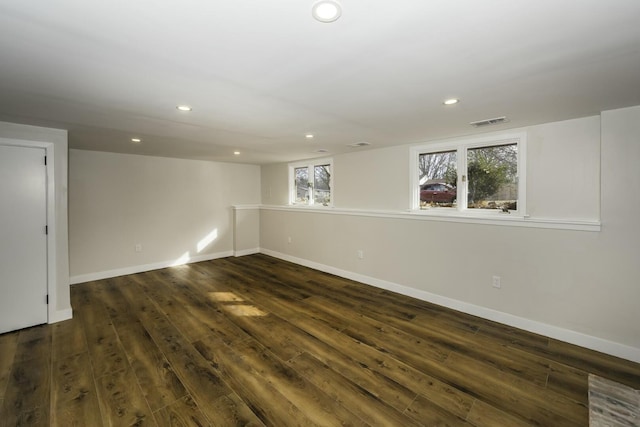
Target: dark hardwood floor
258, 341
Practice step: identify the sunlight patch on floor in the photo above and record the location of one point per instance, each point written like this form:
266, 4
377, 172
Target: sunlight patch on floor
241, 309
224, 297
244, 310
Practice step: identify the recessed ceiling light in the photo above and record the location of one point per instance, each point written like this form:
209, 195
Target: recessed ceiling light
136, 140
184, 108
326, 10
309, 136
236, 153
451, 101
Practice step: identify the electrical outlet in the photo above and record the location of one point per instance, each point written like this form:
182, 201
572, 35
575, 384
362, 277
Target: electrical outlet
289, 239
360, 254
496, 282
138, 247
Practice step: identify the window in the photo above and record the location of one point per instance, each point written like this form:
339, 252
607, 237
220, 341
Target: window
482, 176
310, 183
438, 177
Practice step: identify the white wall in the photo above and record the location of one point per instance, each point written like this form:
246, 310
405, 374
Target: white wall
61, 305
172, 207
563, 170
579, 286
246, 230
360, 185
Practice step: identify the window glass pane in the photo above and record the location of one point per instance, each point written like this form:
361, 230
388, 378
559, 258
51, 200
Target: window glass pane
302, 184
493, 177
322, 184
438, 179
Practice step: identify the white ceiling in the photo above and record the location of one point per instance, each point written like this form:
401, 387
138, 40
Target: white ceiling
260, 74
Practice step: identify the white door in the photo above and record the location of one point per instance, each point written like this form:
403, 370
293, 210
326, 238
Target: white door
23, 242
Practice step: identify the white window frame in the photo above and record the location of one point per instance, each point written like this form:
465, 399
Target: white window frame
310, 164
461, 146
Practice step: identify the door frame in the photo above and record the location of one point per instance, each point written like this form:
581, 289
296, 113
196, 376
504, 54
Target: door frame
51, 217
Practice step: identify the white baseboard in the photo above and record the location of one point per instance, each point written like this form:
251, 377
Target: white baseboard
566, 335
246, 252
146, 267
60, 315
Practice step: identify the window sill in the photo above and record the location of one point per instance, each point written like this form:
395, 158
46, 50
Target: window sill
302, 206
500, 219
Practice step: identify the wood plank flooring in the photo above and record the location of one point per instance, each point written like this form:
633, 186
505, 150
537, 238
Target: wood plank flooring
255, 341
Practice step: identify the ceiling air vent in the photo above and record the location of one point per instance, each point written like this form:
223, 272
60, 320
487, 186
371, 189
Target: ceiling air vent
359, 144
488, 122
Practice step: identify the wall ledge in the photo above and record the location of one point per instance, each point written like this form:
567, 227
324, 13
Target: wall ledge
527, 222
566, 335
245, 207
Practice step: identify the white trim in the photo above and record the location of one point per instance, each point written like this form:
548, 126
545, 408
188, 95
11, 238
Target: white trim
566, 335
245, 207
504, 220
52, 272
244, 252
60, 315
145, 267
